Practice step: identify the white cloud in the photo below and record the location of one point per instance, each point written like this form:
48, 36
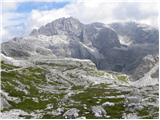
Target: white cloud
12, 24
100, 11
86, 11
3, 32
39, 18
20, 1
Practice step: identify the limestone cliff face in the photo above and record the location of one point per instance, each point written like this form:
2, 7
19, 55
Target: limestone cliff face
137, 33
117, 47
52, 73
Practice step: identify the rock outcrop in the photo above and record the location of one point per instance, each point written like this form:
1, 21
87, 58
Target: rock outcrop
56, 72
102, 44
72, 88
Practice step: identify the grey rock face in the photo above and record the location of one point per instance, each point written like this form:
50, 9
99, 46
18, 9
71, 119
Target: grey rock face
4, 103
143, 42
106, 39
71, 113
98, 111
145, 65
65, 26
108, 104
131, 116
138, 33
14, 114
68, 37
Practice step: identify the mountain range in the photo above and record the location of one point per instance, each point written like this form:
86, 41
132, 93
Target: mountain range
50, 65
115, 47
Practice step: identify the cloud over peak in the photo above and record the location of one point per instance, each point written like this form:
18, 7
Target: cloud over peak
86, 11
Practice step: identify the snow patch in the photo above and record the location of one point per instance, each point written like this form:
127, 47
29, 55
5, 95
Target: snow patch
125, 40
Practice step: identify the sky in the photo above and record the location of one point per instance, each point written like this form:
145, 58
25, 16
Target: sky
20, 17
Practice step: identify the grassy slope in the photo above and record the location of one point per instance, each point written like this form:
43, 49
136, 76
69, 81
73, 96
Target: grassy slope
33, 77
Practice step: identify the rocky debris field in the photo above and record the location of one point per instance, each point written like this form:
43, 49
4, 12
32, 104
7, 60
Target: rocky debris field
72, 88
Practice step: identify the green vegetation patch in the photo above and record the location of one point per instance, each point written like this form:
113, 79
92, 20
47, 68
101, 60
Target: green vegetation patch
30, 79
148, 112
5, 66
95, 72
115, 112
122, 78
97, 95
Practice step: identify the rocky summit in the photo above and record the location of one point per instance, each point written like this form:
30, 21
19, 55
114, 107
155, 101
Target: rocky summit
117, 47
69, 70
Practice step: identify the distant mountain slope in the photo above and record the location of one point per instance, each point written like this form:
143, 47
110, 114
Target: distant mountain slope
117, 47
52, 73
137, 33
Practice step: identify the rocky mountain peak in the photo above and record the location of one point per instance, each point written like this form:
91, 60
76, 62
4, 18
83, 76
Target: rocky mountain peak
136, 33
68, 37
65, 26
53, 73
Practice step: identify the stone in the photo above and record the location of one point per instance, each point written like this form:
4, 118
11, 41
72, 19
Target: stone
108, 104
98, 111
71, 113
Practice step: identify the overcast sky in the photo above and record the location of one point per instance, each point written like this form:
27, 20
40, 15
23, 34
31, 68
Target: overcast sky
19, 17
